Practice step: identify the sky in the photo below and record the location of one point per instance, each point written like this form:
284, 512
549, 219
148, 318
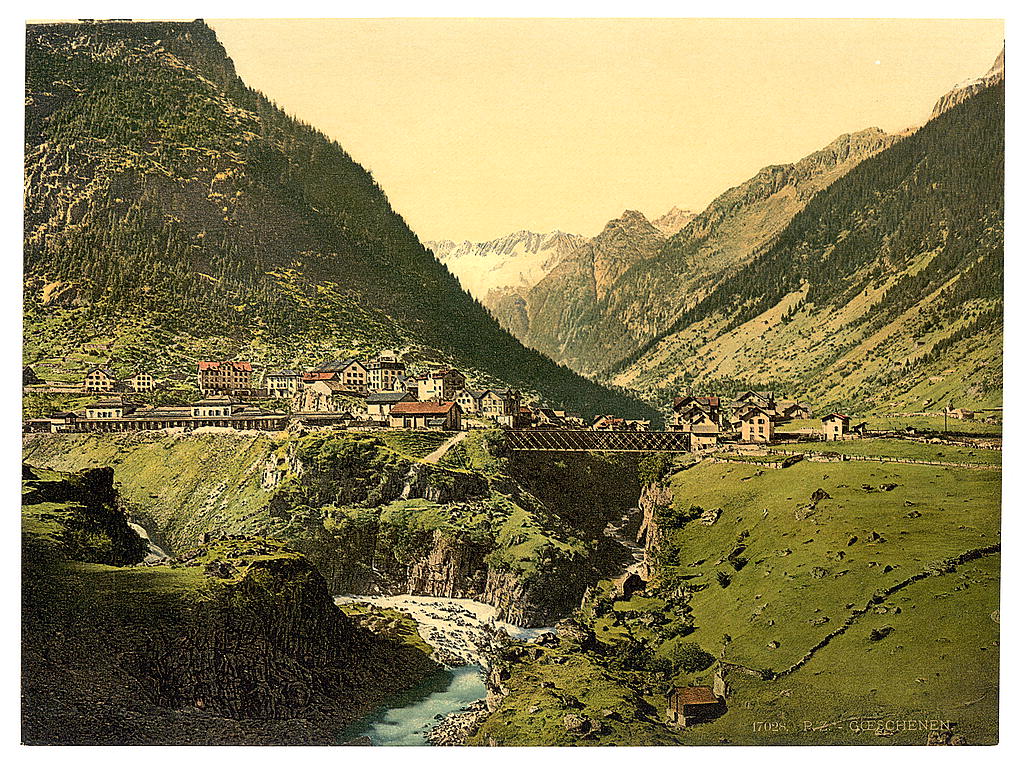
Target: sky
476, 128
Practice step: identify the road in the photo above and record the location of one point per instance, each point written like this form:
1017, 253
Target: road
442, 449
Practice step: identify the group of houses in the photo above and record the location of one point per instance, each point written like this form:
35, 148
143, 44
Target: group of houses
752, 417
751, 414
118, 414
373, 393
96, 379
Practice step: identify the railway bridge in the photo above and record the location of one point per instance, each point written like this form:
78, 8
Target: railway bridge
585, 440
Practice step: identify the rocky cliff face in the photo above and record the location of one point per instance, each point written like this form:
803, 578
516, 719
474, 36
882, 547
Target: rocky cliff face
654, 497
452, 567
564, 308
271, 644
81, 515
237, 642
964, 91
372, 520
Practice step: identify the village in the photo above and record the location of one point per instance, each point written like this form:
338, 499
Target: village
379, 393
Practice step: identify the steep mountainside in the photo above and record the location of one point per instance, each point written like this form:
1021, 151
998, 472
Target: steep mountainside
174, 211
563, 309
885, 290
964, 91
641, 298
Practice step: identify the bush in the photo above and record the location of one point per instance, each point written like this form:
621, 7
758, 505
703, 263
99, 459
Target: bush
653, 467
692, 658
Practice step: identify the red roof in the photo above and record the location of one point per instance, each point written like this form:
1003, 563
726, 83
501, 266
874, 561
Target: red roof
835, 415
320, 376
696, 694
428, 408
207, 365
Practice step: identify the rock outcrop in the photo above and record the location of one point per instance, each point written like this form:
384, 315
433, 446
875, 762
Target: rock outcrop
964, 91
237, 642
654, 497
452, 568
269, 642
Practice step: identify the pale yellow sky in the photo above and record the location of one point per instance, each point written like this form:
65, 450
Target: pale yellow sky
480, 127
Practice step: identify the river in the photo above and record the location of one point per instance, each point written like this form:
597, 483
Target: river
454, 628
407, 718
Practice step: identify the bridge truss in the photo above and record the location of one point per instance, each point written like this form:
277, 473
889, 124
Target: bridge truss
582, 440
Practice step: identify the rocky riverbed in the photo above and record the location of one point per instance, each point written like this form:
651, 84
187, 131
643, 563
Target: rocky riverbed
460, 631
463, 633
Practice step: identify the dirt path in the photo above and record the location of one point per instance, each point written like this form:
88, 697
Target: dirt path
442, 449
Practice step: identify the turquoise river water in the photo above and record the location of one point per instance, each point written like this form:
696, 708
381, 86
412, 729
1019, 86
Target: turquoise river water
406, 719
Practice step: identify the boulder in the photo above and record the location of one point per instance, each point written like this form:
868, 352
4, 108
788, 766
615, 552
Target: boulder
577, 725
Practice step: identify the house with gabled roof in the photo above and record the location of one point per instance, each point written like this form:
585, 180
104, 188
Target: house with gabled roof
756, 425
441, 384
405, 384
704, 431
382, 371
379, 404
835, 426
140, 381
709, 404
469, 401
99, 379
330, 395
693, 704
790, 409
501, 402
446, 416
109, 408
350, 372
284, 383
225, 377
763, 399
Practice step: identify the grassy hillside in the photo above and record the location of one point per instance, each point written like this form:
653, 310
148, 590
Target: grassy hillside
882, 524
178, 487
840, 595
884, 292
178, 214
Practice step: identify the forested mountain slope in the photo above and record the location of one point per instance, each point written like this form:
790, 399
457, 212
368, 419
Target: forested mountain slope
661, 277
884, 291
179, 214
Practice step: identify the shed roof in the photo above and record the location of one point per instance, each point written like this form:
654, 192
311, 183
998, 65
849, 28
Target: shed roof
376, 398
427, 408
695, 694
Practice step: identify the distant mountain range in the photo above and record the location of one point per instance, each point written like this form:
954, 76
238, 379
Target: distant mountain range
642, 305
180, 215
884, 291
